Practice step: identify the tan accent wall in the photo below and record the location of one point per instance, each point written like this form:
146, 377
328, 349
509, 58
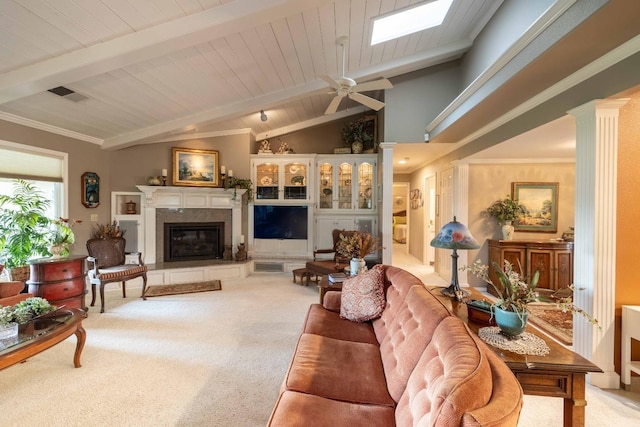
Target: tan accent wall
489, 182
628, 213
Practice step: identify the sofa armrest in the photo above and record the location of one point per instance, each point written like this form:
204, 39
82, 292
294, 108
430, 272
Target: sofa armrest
332, 301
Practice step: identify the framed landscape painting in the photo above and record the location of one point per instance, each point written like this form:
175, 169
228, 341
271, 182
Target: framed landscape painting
541, 202
198, 168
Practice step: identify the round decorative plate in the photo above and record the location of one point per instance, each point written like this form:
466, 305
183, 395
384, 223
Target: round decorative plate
266, 180
368, 192
297, 180
327, 191
294, 169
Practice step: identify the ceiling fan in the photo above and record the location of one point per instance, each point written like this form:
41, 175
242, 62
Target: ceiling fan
346, 87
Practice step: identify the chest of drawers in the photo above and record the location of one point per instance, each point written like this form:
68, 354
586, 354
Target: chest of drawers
61, 281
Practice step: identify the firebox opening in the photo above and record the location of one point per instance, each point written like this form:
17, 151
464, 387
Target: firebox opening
193, 241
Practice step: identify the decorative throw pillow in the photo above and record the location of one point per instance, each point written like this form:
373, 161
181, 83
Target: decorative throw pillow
363, 296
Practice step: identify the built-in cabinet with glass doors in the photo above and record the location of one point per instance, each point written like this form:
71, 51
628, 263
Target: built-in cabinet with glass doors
281, 178
346, 183
346, 196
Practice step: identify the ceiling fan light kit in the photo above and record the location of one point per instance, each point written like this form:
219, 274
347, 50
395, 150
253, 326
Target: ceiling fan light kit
344, 86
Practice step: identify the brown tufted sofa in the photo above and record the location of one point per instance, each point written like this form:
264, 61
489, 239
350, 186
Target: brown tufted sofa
415, 365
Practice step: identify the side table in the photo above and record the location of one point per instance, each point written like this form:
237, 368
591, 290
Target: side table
325, 286
61, 281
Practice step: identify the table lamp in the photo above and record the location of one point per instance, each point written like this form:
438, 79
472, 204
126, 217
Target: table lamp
454, 235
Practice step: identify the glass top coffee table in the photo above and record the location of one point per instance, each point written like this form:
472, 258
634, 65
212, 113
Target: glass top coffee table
42, 334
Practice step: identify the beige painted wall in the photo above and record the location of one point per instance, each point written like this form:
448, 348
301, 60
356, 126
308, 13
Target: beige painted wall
83, 157
131, 166
489, 182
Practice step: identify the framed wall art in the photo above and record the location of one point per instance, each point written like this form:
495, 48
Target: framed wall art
197, 168
541, 202
90, 189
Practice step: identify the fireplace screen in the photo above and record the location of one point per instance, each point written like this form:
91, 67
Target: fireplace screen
193, 241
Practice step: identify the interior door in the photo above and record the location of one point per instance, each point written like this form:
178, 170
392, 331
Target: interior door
444, 215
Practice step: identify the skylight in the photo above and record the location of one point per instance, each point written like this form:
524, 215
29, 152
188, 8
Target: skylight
409, 21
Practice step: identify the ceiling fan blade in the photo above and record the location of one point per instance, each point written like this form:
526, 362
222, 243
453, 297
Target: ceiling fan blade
332, 82
374, 104
374, 85
333, 106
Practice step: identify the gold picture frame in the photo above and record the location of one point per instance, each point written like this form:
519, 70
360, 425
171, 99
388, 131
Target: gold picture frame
195, 167
541, 202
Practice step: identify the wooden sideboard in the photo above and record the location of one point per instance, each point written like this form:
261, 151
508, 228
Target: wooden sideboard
61, 281
554, 261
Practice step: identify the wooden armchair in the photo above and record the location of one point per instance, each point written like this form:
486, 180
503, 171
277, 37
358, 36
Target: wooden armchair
323, 267
107, 265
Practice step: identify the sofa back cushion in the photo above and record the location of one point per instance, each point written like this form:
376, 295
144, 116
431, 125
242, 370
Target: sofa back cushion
397, 283
452, 377
409, 332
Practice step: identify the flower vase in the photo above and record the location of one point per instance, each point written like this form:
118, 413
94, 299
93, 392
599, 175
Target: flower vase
56, 251
509, 322
357, 265
8, 331
507, 231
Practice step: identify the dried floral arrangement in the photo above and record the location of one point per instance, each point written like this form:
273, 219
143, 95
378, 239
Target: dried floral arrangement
357, 245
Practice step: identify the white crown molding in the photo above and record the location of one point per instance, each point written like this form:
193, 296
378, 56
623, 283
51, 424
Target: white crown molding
48, 128
516, 161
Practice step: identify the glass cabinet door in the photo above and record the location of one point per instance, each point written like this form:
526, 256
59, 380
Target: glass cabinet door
267, 181
295, 181
345, 186
325, 171
365, 186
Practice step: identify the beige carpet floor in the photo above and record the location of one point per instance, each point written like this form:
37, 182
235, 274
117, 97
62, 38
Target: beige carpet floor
202, 359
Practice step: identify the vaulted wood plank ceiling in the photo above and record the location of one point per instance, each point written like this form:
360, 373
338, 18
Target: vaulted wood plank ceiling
152, 69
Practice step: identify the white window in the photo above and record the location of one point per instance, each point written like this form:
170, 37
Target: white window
45, 169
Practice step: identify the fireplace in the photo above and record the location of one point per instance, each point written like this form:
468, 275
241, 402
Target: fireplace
187, 241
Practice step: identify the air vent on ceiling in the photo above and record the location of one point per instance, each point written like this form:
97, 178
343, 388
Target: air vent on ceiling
67, 93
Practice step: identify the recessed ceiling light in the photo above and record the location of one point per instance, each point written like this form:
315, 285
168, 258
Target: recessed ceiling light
409, 21
403, 161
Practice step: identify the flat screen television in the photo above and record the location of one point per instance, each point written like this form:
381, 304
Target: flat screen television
279, 222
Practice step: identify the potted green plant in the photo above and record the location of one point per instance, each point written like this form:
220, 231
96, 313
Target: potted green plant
510, 309
62, 236
356, 135
505, 211
240, 183
30, 308
24, 228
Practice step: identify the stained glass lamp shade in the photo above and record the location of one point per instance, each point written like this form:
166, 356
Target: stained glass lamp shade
454, 235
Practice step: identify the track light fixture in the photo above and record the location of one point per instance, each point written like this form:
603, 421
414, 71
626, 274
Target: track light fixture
263, 116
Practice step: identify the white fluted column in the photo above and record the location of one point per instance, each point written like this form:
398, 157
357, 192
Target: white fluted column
595, 234
385, 200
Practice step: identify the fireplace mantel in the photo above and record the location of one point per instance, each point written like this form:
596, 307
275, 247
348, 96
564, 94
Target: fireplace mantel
191, 197
173, 197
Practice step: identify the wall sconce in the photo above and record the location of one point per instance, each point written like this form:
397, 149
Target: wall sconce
263, 116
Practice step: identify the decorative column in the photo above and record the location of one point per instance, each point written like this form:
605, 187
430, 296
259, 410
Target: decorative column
461, 208
385, 199
595, 234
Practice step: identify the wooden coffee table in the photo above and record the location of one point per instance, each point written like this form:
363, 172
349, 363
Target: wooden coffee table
561, 373
47, 332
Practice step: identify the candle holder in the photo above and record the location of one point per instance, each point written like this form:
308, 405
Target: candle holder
241, 255
222, 178
164, 181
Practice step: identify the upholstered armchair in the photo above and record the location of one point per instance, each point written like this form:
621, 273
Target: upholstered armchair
323, 266
109, 263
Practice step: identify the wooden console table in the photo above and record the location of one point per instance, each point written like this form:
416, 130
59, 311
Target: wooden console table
48, 331
561, 373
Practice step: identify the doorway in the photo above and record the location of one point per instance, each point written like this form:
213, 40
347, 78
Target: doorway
429, 257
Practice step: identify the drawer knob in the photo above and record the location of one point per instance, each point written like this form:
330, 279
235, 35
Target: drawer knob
66, 289
64, 270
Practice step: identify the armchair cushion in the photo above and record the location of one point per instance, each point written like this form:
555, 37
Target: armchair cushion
119, 272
